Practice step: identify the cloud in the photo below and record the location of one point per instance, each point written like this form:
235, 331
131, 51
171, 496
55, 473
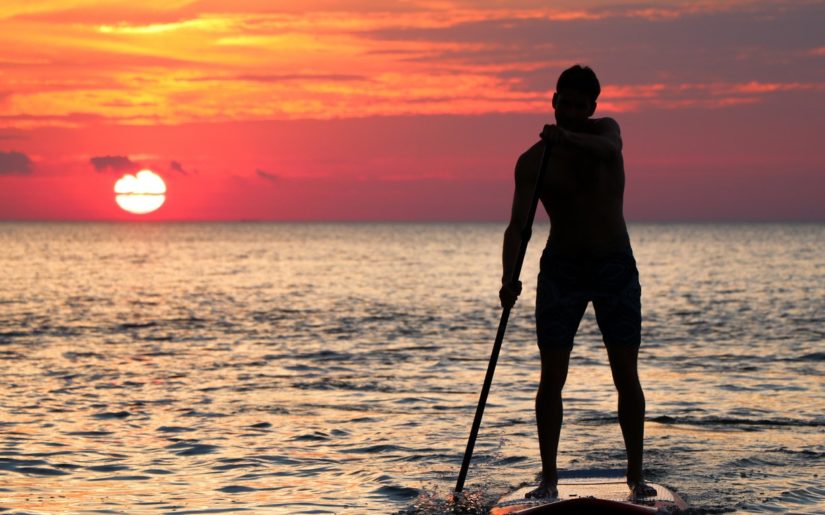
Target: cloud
341, 59
625, 98
113, 164
271, 177
14, 163
285, 77
25, 120
625, 45
11, 134
176, 166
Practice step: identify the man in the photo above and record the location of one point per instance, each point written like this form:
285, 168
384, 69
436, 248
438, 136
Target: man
587, 259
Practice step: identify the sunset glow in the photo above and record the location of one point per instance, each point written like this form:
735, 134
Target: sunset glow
356, 110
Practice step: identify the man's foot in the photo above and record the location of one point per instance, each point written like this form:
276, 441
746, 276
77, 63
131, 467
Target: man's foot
545, 489
640, 489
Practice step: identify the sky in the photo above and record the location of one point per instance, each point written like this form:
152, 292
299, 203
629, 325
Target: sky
406, 110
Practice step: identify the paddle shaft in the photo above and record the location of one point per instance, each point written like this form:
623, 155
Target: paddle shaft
526, 232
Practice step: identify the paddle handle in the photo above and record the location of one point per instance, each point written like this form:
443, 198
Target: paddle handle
526, 233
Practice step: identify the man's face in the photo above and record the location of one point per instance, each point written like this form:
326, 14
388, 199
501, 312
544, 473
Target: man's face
573, 108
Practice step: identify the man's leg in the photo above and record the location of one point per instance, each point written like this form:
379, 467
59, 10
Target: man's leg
623, 365
559, 310
549, 415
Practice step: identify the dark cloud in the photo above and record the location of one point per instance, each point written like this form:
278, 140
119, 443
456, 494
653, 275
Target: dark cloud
177, 167
15, 163
263, 174
71, 118
113, 164
759, 42
12, 134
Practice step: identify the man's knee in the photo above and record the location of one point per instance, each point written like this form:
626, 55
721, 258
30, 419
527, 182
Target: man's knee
550, 386
628, 386
623, 366
554, 363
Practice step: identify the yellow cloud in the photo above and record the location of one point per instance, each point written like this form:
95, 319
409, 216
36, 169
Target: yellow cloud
208, 24
173, 62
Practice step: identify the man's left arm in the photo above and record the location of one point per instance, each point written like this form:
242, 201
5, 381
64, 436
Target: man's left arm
605, 141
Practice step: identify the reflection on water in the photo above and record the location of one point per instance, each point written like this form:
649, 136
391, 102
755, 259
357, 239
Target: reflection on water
334, 368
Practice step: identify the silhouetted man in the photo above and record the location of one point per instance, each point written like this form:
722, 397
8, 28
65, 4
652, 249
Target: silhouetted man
587, 259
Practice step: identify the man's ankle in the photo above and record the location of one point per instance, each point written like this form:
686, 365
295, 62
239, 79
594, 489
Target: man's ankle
551, 478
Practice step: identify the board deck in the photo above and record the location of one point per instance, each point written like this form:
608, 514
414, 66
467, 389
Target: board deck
594, 494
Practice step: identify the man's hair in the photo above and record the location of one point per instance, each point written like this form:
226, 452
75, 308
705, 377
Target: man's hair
580, 78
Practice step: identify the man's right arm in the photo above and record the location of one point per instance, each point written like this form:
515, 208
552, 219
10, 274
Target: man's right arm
524, 183
604, 141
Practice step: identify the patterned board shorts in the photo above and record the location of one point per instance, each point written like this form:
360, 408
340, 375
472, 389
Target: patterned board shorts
566, 284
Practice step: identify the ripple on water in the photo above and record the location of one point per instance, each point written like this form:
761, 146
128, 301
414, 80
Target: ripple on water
39, 471
380, 449
108, 468
316, 436
112, 415
397, 493
89, 433
193, 448
174, 429
120, 478
236, 489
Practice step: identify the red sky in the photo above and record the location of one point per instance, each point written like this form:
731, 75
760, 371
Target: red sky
409, 110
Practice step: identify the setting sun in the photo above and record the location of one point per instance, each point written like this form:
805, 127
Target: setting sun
141, 193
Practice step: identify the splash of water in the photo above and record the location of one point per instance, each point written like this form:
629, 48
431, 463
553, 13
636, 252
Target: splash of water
435, 502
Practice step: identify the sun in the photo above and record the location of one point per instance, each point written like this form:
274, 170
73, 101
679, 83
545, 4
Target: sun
141, 193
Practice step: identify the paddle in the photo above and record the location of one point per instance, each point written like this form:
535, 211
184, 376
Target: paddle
526, 232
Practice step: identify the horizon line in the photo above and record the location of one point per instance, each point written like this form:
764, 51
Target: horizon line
406, 221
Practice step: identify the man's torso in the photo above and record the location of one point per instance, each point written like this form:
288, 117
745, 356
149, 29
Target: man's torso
583, 196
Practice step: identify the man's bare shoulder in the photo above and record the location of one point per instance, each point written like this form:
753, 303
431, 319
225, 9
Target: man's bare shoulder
608, 128
527, 164
606, 124
529, 158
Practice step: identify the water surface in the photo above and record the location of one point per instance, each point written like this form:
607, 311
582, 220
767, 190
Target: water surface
335, 368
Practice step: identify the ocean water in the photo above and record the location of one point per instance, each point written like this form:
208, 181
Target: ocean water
335, 368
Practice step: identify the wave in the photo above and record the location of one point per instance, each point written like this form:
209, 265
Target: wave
732, 421
814, 356
710, 421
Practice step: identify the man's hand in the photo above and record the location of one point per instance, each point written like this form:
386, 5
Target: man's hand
509, 293
554, 135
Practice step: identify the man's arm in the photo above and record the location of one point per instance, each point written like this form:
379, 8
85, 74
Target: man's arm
525, 179
605, 142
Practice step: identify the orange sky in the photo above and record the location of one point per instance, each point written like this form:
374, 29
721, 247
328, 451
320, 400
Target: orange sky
409, 110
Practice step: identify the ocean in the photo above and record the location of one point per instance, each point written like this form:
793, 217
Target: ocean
311, 368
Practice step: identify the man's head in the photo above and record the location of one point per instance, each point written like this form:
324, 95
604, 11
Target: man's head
575, 98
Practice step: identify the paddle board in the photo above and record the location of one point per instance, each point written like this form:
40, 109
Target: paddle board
590, 493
